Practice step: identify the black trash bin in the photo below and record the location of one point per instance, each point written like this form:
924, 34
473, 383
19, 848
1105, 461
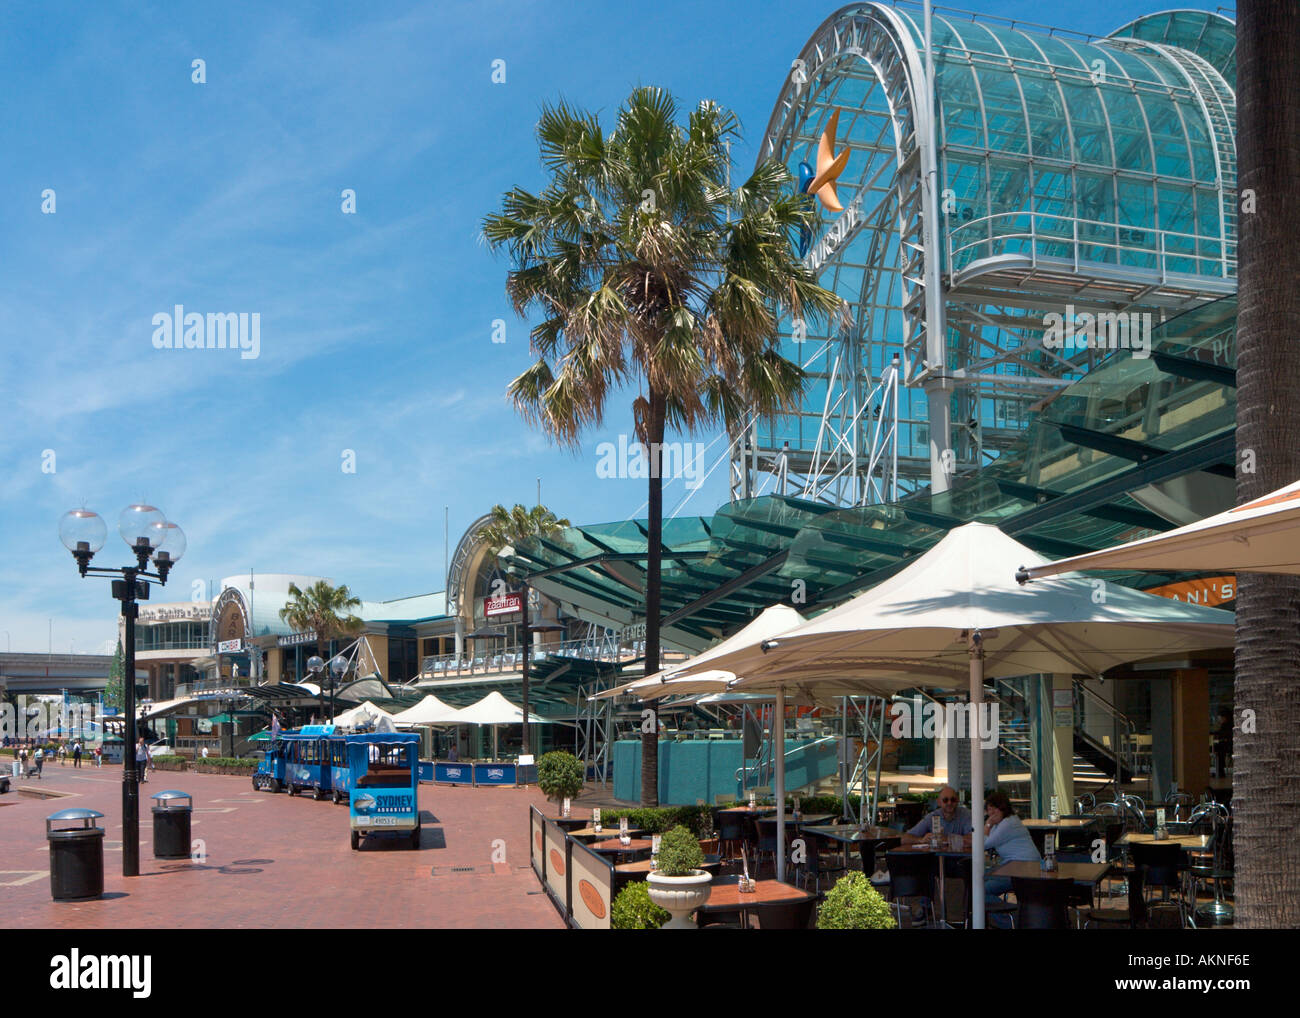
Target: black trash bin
171, 824
76, 855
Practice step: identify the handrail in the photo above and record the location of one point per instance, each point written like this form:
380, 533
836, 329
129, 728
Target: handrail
1069, 233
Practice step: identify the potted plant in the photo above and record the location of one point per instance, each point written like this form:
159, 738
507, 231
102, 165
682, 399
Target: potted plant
633, 909
679, 886
559, 776
853, 904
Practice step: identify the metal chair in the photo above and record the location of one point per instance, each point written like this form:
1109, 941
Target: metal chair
1042, 903
783, 915
1163, 867
815, 864
911, 875
731, 833
1132, 918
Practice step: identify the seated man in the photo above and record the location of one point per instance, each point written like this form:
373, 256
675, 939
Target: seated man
953, 819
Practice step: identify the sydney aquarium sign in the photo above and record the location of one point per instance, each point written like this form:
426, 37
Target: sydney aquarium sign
836, 236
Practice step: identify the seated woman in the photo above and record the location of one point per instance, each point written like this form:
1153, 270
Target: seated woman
1006, 835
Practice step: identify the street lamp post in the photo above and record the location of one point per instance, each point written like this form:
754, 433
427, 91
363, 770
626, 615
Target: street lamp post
525, 638
316, 665
338, 668
149, 535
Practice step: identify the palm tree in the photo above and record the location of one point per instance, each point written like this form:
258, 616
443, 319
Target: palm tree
511, 526
1266, 766
649, 270
317, 610
508, 528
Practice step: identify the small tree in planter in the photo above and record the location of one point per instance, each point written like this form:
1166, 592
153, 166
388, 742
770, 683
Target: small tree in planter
679, 885
853, 904
559, 776
633, 909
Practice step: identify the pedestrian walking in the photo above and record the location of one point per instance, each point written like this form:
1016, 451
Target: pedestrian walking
76, 754
22, 762
39, 757
99, 757
141, 761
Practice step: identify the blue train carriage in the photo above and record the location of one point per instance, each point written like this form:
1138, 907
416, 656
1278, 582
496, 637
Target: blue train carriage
340, 769
385, 793
307, 761
269, 776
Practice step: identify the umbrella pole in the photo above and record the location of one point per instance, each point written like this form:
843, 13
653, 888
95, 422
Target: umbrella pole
977, 781
778, 738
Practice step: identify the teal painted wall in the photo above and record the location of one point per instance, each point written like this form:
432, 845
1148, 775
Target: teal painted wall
700, 769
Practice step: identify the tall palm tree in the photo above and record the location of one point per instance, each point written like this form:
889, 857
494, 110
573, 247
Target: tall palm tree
507, 528
1266, 763
649, 270
324, 610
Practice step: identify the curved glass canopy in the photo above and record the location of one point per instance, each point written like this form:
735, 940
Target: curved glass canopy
1072, 174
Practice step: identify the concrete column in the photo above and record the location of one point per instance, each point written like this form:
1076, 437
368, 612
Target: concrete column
1162, 736
1062, 687
1191, 729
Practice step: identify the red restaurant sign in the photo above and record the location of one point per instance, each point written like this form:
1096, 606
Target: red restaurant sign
506, 604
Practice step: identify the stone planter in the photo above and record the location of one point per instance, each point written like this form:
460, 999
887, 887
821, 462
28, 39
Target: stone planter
680, 896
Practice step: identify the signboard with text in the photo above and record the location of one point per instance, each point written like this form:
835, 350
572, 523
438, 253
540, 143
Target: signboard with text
230, 646
506, 604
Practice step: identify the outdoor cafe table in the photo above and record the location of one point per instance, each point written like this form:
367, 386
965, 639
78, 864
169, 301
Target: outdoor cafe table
570, 824
746, 811
1079, 872
1038, 828
586, 834
1182, 840
616, 847
726, 896
852, 834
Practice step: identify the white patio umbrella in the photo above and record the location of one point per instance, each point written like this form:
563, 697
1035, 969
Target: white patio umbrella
1260, 536
494, 709
957, 615
695, 674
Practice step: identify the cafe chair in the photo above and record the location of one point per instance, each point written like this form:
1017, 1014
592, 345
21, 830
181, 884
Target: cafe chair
765, 839
731, 833
991, 908
816, 864
1132, 918
1042, 903
784, 915
1164, 868
911, 876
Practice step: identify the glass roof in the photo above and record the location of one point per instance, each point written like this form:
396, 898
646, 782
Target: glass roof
1108, 159
1075, 482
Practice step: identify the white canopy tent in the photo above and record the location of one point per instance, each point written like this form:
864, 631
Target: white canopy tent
1261, 536
955, 615
366, 713
429, 711
494, 709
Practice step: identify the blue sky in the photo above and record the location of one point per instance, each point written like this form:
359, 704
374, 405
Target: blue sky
376, 328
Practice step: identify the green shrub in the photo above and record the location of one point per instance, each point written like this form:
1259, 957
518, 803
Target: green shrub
679, 853
633, 909
229, 761
657, 819
853, 904
559, 775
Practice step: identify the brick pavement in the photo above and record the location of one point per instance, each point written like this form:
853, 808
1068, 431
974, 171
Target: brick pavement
273, 861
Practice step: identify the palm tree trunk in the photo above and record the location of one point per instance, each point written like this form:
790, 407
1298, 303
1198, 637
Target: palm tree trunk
653, 575
1266, 764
